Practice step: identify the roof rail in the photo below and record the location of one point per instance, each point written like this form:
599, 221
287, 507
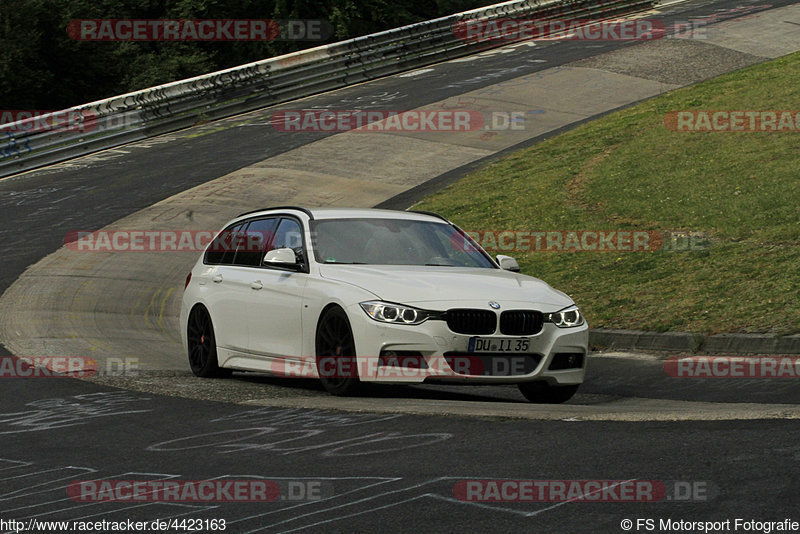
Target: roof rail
304, 210
431, 213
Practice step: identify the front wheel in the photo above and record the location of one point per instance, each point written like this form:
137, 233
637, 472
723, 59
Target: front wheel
336, 353
544, 393
203, 345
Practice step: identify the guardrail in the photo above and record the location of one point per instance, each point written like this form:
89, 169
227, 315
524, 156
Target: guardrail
169, 107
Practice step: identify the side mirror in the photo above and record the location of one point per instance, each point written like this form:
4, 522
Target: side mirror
508, 263
282, 257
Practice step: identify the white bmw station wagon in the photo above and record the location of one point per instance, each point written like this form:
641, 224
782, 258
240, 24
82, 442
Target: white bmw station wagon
370, 295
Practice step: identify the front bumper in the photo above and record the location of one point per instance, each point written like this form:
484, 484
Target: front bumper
390, 353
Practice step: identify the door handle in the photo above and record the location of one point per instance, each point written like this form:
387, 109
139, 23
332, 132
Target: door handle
217, 278
256, 285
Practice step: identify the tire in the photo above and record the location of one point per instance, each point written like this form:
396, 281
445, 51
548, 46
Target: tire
334, 339
203, 345
544, 393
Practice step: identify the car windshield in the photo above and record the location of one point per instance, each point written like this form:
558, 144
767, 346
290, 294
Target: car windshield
394, 242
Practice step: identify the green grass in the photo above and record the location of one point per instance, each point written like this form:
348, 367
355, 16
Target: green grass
628, 171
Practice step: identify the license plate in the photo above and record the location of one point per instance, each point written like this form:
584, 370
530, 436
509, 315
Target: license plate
499, 344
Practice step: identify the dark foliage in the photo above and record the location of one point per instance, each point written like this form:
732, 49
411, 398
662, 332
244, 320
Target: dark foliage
41, 67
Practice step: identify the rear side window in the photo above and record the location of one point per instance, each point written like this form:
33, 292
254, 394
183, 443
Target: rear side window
222, 249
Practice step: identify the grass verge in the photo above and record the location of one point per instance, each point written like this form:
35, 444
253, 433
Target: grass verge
628, 171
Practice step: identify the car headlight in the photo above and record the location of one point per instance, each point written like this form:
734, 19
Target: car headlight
566, 318
386, 312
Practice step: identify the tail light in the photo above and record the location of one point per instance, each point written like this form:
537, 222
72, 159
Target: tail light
188, 279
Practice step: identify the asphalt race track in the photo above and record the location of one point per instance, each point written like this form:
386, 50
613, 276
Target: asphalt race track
395, 459
384, 472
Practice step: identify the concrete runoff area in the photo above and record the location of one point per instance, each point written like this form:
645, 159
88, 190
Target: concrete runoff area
630, 409
619, 386
125, 305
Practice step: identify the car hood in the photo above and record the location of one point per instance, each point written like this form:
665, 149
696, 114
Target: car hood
420, 285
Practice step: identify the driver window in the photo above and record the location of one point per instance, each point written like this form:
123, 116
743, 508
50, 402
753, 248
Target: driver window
289, 234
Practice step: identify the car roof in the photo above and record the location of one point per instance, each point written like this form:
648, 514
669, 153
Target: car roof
349, 213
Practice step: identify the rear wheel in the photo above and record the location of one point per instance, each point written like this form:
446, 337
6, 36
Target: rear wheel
203, 345
544, 393
336, 353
